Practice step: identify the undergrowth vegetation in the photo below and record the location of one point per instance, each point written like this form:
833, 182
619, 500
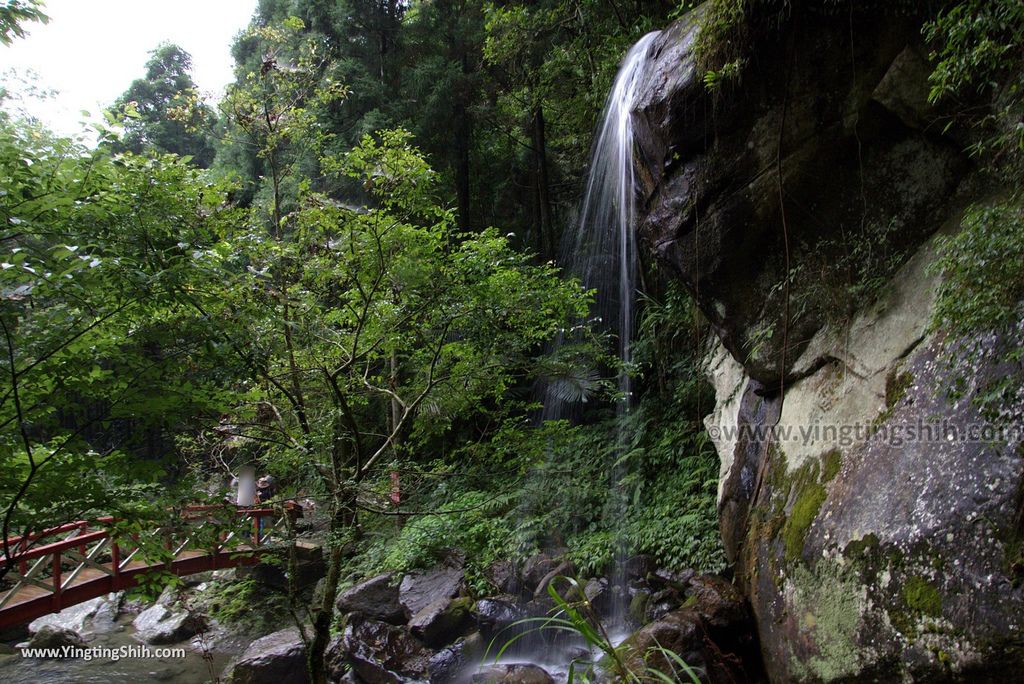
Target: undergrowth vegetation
643, 482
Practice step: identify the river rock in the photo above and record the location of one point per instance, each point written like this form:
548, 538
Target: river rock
714, 632
496, 614
50, 636
442, 621
278, 658
420, 589
378, 652
77, 618
376, 598
513, 674
160, 625
447, 665
536, 568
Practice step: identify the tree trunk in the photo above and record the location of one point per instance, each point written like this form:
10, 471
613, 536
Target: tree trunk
341, 520
546, 227
463, 133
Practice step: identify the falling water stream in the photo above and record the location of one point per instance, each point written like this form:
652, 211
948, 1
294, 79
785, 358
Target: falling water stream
600, 249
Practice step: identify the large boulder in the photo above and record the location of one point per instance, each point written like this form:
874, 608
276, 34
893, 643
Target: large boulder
420, 589
497, 613
450, 663
94, 615
378, 653
375, 598
162, 625
442, 621
278, 658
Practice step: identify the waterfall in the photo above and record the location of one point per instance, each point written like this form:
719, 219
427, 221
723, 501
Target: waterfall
600, 247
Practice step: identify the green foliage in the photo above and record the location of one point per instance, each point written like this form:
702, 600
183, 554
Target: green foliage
105, 258
977, 52
245, 605
981, 288
473, 523
163, 111
980, 293
15, 13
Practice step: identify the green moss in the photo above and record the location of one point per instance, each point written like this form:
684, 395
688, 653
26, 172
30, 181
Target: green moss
831, 463
859, 549
922, 596
245, 605
896, 386
805, 510
829, 603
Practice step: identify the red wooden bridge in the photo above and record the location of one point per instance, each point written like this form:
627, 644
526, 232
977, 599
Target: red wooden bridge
62, 566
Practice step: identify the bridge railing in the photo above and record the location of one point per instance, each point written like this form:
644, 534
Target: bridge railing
38, 566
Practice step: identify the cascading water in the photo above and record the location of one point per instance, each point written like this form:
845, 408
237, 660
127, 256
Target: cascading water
600, 248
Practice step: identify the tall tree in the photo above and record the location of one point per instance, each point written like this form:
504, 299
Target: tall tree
163, 111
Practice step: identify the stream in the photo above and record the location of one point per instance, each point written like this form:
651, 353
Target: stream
192, 669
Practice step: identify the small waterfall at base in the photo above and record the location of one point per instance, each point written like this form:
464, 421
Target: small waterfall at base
600, 249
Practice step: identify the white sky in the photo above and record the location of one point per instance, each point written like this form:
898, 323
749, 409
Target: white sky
93, 49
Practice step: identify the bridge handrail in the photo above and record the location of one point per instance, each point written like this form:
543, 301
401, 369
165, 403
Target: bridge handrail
26, 554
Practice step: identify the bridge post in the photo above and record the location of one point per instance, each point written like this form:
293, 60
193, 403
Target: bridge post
83, 527
115, 559
56, 581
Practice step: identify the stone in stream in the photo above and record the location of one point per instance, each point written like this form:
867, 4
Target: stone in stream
442, 621
278, 658
94, 615
714, 631
513, 674
498, 613
536, 568
448, 665
502, 575
376, 598
378, 653
160, 625
420, 589
49, 636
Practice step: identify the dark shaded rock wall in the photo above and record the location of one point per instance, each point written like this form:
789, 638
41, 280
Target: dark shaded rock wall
874, 542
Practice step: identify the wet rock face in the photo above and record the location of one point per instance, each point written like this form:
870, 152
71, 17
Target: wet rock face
859, 162
420, 589
379, 653
375, 598
442, 621
884, 550
278, 658
713, 632
513, 674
